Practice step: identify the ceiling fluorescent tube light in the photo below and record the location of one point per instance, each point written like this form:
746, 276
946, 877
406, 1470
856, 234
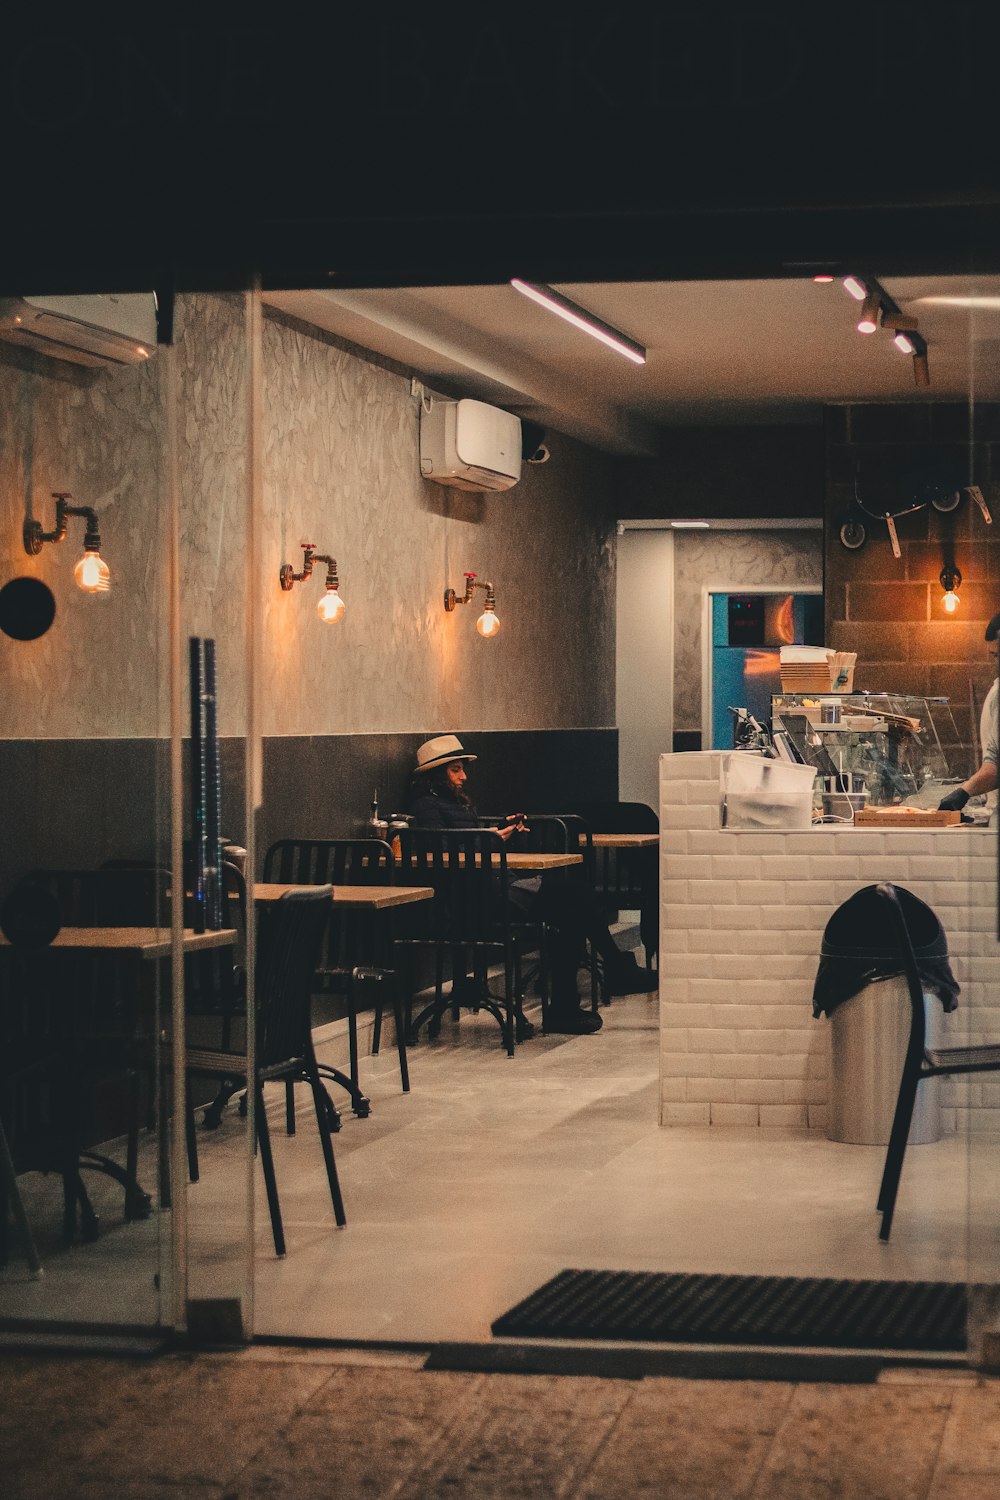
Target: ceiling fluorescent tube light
580, 318
690, 525
868, 322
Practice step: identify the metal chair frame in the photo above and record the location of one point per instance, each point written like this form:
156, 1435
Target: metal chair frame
468, 919
288, 954
921, 1062
355, 949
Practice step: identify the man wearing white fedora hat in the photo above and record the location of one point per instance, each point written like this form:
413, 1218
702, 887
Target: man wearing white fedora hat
439, 800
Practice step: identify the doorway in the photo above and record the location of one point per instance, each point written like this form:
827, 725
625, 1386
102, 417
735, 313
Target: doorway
746, 632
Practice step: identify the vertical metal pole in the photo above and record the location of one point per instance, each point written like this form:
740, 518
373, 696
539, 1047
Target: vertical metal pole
178, 1157
213, 797
253, 784
197, 696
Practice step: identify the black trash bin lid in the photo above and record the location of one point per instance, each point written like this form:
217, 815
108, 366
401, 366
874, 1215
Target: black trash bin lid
862, 927
858, 948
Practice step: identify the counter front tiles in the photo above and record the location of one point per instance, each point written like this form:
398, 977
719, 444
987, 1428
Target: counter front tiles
741, 922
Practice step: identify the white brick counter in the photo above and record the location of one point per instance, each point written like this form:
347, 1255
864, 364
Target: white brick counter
742, 919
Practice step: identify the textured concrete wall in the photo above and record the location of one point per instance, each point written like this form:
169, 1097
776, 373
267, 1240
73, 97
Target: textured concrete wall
341, 469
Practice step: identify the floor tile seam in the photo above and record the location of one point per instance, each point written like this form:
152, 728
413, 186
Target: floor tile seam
768, 1452
783, 1428
587, 1467
429, 1462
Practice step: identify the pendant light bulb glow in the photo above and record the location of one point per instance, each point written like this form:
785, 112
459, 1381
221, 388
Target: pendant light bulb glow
331, 607
92, 573
488, 625
904, 344
951, 580
857, 288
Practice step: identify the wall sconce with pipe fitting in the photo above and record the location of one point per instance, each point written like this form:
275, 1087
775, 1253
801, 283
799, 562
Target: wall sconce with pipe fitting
951, 580
331, 606
488, 625
91, 572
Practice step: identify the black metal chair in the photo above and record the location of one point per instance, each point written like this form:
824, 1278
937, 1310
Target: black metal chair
93, 1047
468, 920
562, 833
626, 879
354, 961
921, 1061
289, 951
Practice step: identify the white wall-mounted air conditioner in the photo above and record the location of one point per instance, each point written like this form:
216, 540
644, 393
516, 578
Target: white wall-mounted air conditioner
96, 331
469, 445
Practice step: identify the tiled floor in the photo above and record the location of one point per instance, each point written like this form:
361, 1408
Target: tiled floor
324, 1424
494, 1174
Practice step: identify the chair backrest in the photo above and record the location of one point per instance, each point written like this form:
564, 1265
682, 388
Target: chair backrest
899, 927
291, 940
544, 833
329, 861
352, 937
467, 869
623, 879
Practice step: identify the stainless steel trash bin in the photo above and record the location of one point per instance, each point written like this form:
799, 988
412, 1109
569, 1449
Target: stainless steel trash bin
868, 1038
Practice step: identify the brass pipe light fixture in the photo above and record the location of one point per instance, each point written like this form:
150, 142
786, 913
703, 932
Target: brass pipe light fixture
488, 625
91, 572
331, 607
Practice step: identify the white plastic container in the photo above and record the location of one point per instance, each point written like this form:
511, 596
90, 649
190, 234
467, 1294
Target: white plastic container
760, 793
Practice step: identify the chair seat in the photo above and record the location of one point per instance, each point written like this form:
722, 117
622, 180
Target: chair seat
985, 1059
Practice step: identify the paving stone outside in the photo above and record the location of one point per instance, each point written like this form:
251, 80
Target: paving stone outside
316, 1423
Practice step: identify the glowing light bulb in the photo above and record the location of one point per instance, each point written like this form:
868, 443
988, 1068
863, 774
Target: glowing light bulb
92, 574
331, 607
488, 625
951, 601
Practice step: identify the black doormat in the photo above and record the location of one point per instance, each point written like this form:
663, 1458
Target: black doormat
765, 1310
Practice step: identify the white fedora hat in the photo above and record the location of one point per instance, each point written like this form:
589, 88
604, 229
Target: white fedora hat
440, 752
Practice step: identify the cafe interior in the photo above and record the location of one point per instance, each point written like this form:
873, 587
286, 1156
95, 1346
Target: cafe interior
289, 542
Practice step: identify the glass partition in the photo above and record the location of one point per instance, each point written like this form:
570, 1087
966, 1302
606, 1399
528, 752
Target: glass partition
132, 459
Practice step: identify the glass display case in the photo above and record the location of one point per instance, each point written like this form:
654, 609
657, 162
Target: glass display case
888, 744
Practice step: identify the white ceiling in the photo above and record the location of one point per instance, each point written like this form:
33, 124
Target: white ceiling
717, 351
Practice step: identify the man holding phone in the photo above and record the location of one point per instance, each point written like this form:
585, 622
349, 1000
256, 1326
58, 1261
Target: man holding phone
439, 800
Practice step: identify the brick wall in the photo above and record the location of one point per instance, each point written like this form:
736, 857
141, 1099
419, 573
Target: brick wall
888, 610
742, 919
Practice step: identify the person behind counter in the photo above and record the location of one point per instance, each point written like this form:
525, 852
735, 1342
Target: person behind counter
987, 777
439, 800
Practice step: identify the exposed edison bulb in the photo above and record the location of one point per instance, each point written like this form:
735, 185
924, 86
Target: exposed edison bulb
951, 601
331, 607
488, 624
92, 574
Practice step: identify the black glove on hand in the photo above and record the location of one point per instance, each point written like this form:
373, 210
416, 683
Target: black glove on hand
955, 801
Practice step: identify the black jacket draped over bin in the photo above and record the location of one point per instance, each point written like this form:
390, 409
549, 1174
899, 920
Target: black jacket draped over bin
858, 948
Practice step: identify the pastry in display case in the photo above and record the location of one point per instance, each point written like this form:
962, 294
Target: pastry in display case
869, 749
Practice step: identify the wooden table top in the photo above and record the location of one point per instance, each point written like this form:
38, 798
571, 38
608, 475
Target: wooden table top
147, 942
518, 859
370, 897
625, 840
